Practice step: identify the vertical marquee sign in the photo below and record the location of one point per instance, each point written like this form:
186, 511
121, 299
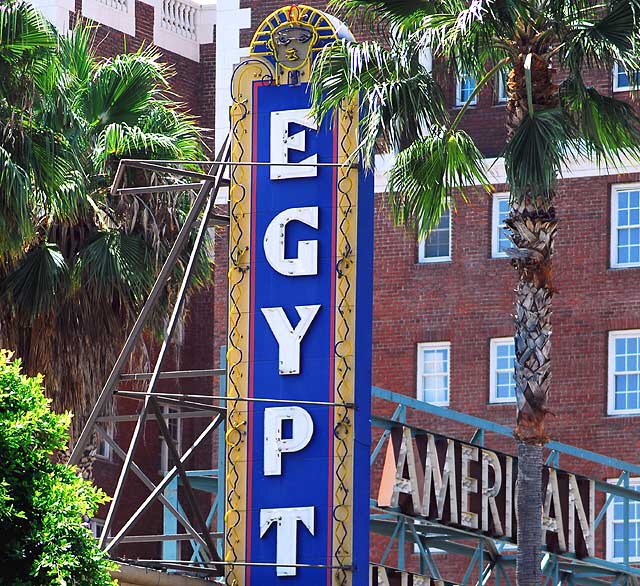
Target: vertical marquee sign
299, 346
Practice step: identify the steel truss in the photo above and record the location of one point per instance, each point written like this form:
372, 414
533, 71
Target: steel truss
206, 544
200, 216
487, 557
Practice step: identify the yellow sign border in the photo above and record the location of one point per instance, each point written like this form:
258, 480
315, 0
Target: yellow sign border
254, 69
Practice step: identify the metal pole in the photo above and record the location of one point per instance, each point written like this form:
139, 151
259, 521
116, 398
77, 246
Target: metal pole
203, 196
161, 486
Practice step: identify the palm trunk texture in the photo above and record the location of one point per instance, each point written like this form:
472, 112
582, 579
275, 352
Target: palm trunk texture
532, 225
528, 506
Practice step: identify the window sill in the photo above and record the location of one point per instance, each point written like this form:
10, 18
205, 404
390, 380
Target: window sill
632, 560
443, 261
623, 267
447, 404
621, 414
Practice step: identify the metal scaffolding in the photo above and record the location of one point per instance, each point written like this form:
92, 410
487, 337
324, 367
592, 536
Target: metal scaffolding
204, 524
489, 558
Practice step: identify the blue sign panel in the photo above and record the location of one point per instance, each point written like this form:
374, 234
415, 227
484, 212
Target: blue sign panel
299, 356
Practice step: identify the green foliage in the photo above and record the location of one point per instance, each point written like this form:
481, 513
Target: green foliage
405, 110
42, 503
75, 262
405, 97
441, 160
536, 153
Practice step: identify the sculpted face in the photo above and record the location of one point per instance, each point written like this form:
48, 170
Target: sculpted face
292, 44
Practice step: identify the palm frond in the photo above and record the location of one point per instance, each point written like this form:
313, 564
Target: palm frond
399, 98
15, 219
426, 176
165, 118
113, 263
121, 140
22, 28
592, 40
606, 128
468, 35
33, 286
536, 153
122, 88
385, 12
75, 51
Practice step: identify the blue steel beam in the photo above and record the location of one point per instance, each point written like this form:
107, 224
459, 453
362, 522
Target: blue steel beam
500, 429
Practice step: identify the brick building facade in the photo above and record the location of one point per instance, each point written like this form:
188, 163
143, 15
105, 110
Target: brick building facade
442, 313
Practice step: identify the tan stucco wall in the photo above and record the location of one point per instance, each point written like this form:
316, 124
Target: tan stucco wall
135, 576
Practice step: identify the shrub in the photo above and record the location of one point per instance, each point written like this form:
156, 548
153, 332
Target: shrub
42, 503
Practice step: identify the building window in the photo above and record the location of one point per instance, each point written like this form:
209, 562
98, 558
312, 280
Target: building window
499, 240
622, 81
433, 373
175, 431
96, 526
103, 449
615, 526
464, 88
624, 372
502, 386
437, 246
502, 87
625, 226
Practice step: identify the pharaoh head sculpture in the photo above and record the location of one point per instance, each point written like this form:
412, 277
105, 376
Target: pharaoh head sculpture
292, 41
290, 37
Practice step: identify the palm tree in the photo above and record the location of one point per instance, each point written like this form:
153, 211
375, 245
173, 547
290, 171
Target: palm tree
551, 118
76, 263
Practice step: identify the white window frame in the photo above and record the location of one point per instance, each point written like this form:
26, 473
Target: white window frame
615, 190
493, 363
495, 228
620, 88
422, 258
611, 386
164, 449
94, 524
106, 456
502, 90
609, 530
459, 101
419, 390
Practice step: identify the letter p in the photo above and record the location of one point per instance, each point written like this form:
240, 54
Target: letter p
275, 445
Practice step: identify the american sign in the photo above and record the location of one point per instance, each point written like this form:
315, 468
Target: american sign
383, 576
468, 486
299, 342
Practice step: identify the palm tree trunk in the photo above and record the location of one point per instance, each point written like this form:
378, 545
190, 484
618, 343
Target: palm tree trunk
529, 509
533, 226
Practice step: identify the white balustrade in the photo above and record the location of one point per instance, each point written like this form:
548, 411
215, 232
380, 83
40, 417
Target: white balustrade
121, 5
179, 17
182, 26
